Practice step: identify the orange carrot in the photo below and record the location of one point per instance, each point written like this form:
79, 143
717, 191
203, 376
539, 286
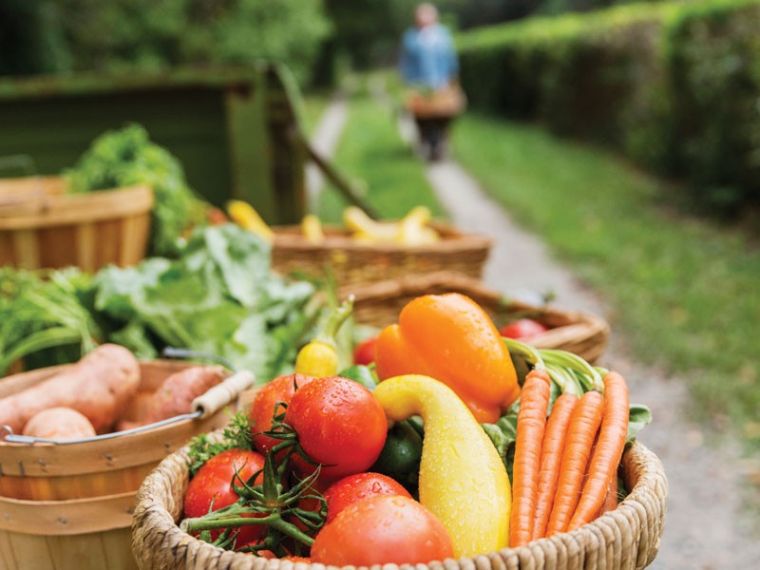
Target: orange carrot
531, 423
551, 456
581, 432
609, 450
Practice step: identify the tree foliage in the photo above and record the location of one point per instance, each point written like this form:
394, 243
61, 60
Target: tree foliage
150, 35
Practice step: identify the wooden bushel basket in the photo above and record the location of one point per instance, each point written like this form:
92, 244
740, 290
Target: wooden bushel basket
627, 538
380, 304
41, 227
355, 263
69, 506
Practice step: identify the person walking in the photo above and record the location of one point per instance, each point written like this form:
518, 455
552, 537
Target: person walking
429, 67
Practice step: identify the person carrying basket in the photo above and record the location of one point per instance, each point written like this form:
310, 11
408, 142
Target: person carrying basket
429, 67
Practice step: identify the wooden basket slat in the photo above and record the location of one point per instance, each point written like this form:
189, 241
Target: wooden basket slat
63, 518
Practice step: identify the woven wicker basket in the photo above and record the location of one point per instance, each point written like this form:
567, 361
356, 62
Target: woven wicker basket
41, 227
447, 102
354, 263
625, 538
380, 304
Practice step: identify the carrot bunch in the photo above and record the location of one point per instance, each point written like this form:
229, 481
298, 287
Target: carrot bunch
565, 468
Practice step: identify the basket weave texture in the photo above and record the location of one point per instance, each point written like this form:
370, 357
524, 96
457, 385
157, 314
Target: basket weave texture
356, 263
626, 538
379, 305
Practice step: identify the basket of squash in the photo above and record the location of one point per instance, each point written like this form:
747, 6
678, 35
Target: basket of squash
547, 326
485, 453
366, 251
77, 440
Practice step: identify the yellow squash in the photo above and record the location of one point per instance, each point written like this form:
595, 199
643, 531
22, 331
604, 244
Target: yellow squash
244, 215
311, 228
462, 478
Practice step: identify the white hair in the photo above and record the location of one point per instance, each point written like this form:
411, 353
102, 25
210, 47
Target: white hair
426, 13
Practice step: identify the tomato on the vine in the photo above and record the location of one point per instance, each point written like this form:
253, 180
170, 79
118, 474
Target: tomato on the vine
213, 488
523, 328
382, 530
262, 410
360, 486
339, 424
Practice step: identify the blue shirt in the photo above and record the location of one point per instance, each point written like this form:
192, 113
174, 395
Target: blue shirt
428, 58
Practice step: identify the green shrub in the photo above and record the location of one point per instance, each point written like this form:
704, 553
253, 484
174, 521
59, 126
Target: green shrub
673, 85
714, 60
595, 75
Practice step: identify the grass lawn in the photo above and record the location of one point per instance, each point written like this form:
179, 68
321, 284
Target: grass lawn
372, 153
686, 292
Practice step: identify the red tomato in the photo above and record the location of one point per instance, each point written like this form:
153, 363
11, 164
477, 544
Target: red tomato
523, 328
295, 559
354, 488
365, 352
212, 488
382, 530
339, 424
278, 390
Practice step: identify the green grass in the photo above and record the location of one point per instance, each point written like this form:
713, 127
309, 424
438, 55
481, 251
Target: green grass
686, 292
372, 153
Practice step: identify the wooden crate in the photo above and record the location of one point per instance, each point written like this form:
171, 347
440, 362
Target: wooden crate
231, 128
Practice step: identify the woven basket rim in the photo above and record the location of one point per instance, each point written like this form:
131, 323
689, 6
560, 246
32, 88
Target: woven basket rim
643, 508
336, 237
582, 326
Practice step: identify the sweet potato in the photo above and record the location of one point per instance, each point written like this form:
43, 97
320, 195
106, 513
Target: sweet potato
59, 424
98, 387
176, 394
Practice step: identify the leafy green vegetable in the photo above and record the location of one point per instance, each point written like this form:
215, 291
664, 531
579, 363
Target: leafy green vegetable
364, 375
639, 416
44, 321
237, 435
503, 434
127, 157
218, 297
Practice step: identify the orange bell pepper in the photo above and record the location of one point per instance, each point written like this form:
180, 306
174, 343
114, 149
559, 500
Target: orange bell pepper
450, 338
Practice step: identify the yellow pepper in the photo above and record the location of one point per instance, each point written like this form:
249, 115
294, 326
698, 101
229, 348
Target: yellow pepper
462, 478
319, 358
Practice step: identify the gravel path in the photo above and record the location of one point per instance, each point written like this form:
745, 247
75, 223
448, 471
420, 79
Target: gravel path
706, 527
325, 139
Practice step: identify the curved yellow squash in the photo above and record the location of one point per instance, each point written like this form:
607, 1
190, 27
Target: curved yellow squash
462, 478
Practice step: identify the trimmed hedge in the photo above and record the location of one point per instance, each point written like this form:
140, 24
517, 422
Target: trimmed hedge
675, 86
714, 65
